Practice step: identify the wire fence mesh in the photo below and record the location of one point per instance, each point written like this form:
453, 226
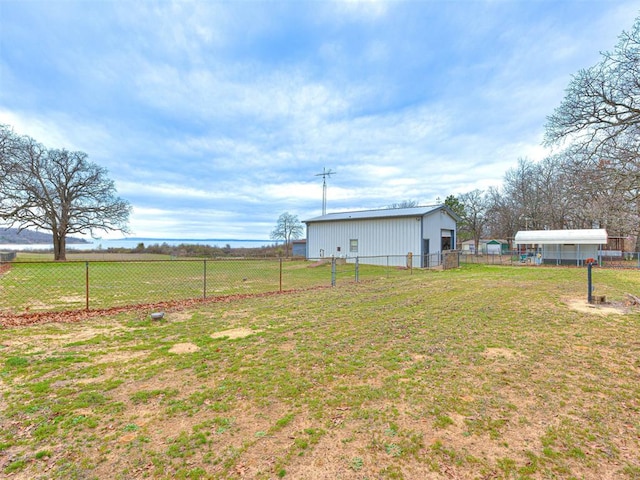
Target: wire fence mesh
27, 287
608, 259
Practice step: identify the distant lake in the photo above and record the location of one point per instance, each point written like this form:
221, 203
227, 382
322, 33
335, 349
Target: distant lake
133, 243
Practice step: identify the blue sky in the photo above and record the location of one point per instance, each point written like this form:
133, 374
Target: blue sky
213, 118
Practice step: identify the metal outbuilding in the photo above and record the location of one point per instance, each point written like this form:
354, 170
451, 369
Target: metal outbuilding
7, 256
392, 233
299, 248
564, 247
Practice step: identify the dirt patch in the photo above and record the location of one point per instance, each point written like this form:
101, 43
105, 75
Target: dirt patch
501, 353
119, 357
319, 263
59, 339
234, 333
181, 316
288, 346
600, 309
184, 348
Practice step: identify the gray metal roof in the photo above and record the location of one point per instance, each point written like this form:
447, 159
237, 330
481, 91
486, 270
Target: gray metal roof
593, 236
382, 213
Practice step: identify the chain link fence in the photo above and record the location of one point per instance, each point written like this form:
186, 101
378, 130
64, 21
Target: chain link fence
359, 268
28, 287
608, 259
41, 286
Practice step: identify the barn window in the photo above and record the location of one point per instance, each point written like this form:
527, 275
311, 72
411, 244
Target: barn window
353, 245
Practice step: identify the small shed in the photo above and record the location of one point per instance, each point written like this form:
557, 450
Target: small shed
7, 256
299, 248
486, 246
563, 247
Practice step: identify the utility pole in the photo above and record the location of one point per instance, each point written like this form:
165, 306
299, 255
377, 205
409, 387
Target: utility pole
325, 173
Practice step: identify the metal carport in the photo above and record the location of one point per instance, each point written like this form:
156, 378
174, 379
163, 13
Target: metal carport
564, 247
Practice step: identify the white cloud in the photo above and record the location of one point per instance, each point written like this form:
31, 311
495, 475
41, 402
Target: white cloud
215, 117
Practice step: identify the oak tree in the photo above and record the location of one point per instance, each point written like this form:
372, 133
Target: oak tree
599, 121
57, 191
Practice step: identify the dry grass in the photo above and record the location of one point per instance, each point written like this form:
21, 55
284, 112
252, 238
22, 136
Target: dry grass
483, 372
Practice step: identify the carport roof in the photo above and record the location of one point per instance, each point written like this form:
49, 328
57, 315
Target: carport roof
593, 236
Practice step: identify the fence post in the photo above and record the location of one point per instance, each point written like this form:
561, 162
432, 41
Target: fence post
86, 284
280, 274
333, 271
204, 280
357, 269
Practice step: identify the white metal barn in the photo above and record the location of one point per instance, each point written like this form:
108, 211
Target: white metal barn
564, 247
383, 237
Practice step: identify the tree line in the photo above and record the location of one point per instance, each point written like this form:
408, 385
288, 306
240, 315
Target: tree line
195, 250
593, 178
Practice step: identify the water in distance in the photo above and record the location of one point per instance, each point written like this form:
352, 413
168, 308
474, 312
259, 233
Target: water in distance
131, 243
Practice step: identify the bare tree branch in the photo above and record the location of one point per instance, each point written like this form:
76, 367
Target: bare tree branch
56, 190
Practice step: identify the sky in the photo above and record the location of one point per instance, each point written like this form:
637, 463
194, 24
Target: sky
214, 117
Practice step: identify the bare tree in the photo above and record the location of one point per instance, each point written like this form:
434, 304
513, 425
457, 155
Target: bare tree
474, 215
503, 219
599, 120
404, 204
9, 147
522, 186
602, 102
58, 191
598, 198
287, 228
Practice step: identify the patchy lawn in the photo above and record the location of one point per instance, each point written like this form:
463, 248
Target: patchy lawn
482, 372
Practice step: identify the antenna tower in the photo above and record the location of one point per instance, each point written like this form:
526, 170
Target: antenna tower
325, 173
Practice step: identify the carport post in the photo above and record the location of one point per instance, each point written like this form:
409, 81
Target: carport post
578, 258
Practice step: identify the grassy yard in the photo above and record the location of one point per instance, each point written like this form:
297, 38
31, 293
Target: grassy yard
480, 372
34, 285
